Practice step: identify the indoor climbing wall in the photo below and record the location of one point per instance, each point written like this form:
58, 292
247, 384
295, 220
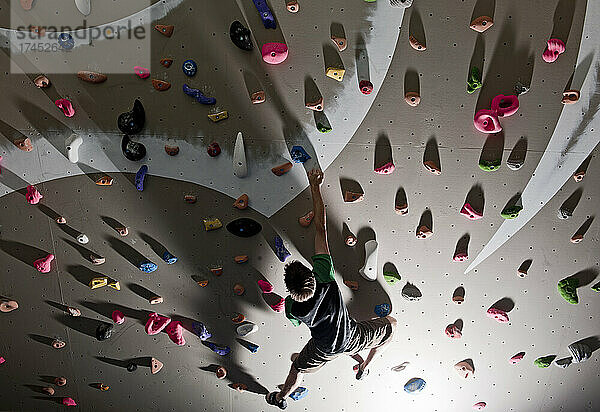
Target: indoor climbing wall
182, 192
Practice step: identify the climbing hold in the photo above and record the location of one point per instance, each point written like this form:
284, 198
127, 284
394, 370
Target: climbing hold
201, 282
155, 300
133, 151
306, 219
219, 350
544, 361
102, 387
265, 14
91, 77
401, 3
490, 165
497, 314
580, 352
65, 41
48, 390
596, 287
391, 277
365, 86
189, 68
168, 257
517, 358
66, 106
274, 53
458, 299
166, 62
257, 97
554, 48
514, 164
147, 267
244, 227
577, 238
172, 150
385, 169
324, 127
423, 232
282, 169
198, 95
578, 176
486, 121
216, 270
58, 344
8, 306
414, 385
132, 122
415, 44
73, 311
32, 195
164, 29
432, 167
155, 366
60, 381
114, 284
238, 318
470, 213
241, 259
505, 106
201, 331
521, 88
104, 331
240, 36
369, 269
336, 73
41, 82
265, 286
43, 265
382, 310
570, 97
98, 282
453, 332
564, 213
82, 238
142, 72
246, 329
212, 223
61, 220
292, 6
460, 257
299, 155
412, 98
464, 369
156, 323
474, 81
140, 176
316, 105
68, 402
479, 406
241, 202
351, 240
161, 85
299, 393
401, 207
411, 292
353, 197
401, 367
278, 306
104, 181
564, 362
568, 289
340, 42
132, 367
238, 289
351, 284
481, 24
214, 149
118, 317
511, 212
123, 231
26, 4
24, 144
280, 249
221, 372
217, 117
175, 332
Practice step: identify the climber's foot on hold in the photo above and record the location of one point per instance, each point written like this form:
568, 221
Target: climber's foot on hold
361, 373
272, 400
140, 176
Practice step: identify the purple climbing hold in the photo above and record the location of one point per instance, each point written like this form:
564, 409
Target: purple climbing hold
140, 176
201, 331
219, 350
280, 250
198, 95
265, 14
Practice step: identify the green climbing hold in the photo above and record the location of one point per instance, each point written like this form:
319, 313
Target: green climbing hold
474, 80
323, 128
544, 361
489, 165
596, 287
511, 212
391, 277
568, 290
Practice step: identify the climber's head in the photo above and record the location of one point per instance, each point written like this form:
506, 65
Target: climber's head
299, 281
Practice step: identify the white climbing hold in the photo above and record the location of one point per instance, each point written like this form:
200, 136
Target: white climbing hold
240, 168
246, 329
369, 270
72, 144
83, 239
401, 367
84, 6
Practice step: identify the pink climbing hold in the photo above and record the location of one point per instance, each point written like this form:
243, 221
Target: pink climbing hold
265, 286
486, 121
497, 314
69, 402
460, 257
43, 264
517, 358
175, 332
274, 53
470, 213
453, 332
279, 306
118, 317
386, 169
156, 323
32, 196
505, 106
66, 106
365, 86
2, 360
141, 72
554, 48
479, 406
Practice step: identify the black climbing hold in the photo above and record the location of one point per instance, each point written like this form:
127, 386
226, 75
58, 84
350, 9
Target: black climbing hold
104, 331
133, 151
132, 367
244, 227
132, 122
240, 36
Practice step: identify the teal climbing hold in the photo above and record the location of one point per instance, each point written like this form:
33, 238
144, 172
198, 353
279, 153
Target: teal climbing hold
568, 290
544, 361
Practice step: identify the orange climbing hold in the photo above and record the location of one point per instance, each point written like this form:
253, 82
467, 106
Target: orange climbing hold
191, 199
166, 62
238, 318
241, 259
351, 284
217, 271
24, 144
161, 85
432, 167
241, 202
353, 197
172, 150
8, 306
221, 372
240, 387
155, 365
257, 97
282, 169
306, 219
104, 181
164, 29
41, 82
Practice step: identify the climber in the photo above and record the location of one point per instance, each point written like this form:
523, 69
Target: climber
315, 300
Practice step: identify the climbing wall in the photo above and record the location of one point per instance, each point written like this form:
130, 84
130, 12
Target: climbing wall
540, 323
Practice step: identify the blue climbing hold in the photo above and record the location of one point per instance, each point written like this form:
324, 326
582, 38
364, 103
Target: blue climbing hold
299, 393
189, 67
252, 347
65, 41
414, 385
383, 309
265, 14
299, 155
147, 266
219, 350
280, 250
201, 331
169, 258
140, 176
198, 95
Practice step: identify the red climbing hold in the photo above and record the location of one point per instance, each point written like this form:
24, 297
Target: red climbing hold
470, 213
479, 406
274, 53
278, 306
497, 314
33, 196
213, 149
66, 106
365, 86
554, 48
386, 169
69, 402
265, 286
118, 317
175, 332
142, 72
453, 332
164, 29
505, 106
517, 358
172, 150
460, 257
156, 323
43, 264
486, 121
432, 167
